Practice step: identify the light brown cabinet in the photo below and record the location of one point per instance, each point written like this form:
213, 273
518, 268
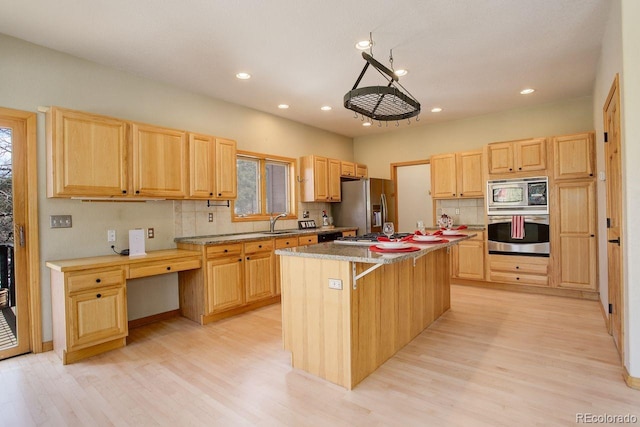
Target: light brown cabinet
362, 171
457, 175
468, 258
320, 179
307, 240
517, 156
212, 168
259, 278
347, 169
86, 154
574, 237
224, 282
573, 156
520, 270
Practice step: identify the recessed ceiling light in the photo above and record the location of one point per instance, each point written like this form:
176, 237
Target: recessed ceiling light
527, 91
365, 124
364, 44
283, 106
325, 108
436, 110
400, 72
243, 76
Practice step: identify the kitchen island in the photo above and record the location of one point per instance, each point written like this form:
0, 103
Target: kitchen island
347, 309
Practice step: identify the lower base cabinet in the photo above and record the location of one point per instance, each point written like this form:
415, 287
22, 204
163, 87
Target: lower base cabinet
224, 283
522, 270
467, 258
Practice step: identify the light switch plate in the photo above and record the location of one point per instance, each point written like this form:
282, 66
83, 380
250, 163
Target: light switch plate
59, 221
335, 284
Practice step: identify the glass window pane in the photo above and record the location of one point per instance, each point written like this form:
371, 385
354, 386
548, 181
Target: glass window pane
248, 201
277, 184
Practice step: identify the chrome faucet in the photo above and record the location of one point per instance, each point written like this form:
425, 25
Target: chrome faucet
273, 219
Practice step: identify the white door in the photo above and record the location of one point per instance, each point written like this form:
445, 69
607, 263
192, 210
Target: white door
414, 196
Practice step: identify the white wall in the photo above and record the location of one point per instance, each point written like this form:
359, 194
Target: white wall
33, 76
420, 142
630, 109
609, 65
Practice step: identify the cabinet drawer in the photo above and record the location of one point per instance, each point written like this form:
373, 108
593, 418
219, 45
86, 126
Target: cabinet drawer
259, 246
479, 235
350, 233
524, 279
94, 279
162, 267
308, 240
217, 250
286, 242
522, 268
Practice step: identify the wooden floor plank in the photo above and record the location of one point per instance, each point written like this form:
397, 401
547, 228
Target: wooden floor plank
496, 358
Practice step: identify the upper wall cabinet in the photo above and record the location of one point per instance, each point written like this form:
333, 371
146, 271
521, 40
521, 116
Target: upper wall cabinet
362, 171
212, 167
517, 156
159, 161
347, 169
86, 155
320, 179
457, 175
573, 156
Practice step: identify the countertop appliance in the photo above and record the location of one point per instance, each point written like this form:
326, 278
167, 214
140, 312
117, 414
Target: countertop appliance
366, 239
366, 204
518, 196
329, 236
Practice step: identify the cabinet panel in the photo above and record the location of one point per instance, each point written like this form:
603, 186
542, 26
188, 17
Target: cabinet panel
85, 154
94, 279
469, 260
443, 176
259, 246
162, 267
362, 171
573, 156
334, 181
97, 317
308, 240
347, 169
531, 155
201, 166
224, 284
226, 186
259, 279
520, 270
469, 174
500, 158
159, 161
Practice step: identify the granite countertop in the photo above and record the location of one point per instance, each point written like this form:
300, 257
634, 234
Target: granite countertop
338, 252
255, 235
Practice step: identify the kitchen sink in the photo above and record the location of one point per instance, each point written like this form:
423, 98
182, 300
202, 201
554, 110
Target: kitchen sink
280, 232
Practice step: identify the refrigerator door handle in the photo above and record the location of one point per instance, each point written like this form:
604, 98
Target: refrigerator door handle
383, 207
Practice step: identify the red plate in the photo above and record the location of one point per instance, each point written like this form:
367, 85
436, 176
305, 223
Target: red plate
374, 248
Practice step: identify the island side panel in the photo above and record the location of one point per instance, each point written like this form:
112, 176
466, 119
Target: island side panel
315, 319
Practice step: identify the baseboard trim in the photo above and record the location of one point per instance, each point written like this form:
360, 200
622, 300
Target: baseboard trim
633, 382
47, 346
530, 289
153, 318
238, 310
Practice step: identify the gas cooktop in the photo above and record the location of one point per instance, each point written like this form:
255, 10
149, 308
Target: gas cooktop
366, 239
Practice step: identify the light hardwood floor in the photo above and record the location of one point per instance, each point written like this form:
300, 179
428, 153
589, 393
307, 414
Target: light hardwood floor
496, 358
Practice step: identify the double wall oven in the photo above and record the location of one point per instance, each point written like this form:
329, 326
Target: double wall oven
518, 217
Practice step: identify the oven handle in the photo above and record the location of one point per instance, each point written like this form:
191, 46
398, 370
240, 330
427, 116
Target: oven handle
527, 218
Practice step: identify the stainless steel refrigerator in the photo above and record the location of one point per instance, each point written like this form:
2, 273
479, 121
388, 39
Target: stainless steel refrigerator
366, 204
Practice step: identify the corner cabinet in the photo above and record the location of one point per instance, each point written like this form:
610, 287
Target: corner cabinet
517, 156
320, 179
212, 168
86, 154
457, 175
159, 161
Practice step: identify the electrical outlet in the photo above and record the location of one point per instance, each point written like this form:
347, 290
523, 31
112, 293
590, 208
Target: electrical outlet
457, 211
335, 284
210, 216
111, 236
59, 221
150, 233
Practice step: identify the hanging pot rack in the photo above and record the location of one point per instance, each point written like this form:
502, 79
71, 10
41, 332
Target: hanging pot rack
382, 103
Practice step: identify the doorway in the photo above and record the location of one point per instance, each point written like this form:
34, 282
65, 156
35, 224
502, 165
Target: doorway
413, 194
20, 320
613, 170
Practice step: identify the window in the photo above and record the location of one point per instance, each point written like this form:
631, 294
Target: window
265, 186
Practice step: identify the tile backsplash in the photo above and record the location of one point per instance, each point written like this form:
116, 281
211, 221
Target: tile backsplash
191, 218
469, 211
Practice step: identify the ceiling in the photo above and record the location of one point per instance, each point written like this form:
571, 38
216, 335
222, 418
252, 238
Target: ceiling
470, 57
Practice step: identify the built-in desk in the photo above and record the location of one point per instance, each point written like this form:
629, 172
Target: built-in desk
89, 298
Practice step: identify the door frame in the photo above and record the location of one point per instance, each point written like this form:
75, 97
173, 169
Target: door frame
394, 177
32, 273
615, 91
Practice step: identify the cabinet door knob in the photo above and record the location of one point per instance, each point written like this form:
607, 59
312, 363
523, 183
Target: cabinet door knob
137, 191
239, 259
510, 169
168, 268
248, 258
287, 243
454, 194
517, 267
517, 278
124, 191
219, 194
99, 296
461, 194
98, 280
593, 235
226, 250
211, 194
519, 168
260, 246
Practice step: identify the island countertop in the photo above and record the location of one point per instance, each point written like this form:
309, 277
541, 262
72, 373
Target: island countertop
215, 239
338, 252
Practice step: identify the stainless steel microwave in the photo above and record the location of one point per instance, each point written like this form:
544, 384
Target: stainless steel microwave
518, 196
